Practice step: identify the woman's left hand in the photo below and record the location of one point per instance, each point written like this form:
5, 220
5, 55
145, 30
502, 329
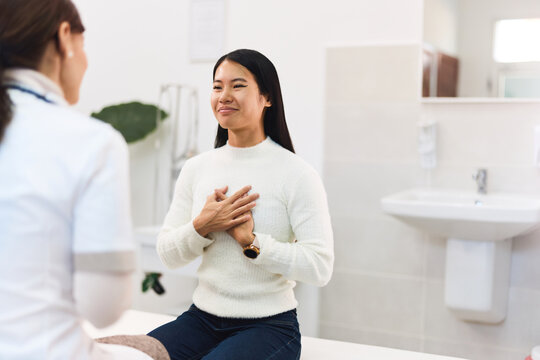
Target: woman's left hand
242, 233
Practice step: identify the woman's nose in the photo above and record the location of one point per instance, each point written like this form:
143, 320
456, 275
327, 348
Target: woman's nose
225, 96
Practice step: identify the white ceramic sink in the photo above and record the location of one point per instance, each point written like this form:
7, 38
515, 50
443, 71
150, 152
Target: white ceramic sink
477, 273
465, 215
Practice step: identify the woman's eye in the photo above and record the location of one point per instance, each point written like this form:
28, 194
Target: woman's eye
239, 86
217, 87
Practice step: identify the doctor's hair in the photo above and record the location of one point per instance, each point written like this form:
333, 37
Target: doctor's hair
267, 79
26, 28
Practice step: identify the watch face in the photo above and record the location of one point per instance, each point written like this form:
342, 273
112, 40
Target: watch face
250, 253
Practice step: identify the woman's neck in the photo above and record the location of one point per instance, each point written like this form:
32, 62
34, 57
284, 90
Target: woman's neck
50, 64
246, 138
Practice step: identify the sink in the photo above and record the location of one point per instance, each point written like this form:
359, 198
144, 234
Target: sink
465, 215
479, 229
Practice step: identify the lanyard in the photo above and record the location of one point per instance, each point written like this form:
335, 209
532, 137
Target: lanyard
28, 91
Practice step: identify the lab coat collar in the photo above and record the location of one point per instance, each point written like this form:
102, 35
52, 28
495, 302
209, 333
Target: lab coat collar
36, 82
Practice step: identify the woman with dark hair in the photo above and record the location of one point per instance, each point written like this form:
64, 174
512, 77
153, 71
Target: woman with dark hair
66, 251
252, 253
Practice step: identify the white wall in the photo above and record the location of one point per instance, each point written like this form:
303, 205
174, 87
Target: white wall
441, 25
294, 34
376, 294
136, 45
133, 47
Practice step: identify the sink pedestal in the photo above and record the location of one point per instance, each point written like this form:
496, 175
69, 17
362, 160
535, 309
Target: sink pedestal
477, 279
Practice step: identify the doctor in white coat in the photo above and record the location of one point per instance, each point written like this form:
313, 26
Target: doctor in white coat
66, 250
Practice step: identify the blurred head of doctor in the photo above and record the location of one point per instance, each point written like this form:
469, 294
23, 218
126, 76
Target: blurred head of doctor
42, 35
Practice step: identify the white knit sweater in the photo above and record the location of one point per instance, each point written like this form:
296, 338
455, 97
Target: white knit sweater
292, 206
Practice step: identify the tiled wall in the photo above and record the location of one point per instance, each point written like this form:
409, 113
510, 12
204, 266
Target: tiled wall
388, 282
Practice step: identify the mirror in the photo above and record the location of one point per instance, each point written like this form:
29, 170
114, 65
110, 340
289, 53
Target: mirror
481, 48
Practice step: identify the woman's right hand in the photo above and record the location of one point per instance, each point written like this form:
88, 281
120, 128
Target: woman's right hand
219, 215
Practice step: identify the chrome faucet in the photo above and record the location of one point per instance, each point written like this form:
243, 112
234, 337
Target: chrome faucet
480, 176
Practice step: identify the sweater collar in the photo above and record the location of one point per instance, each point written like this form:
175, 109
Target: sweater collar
36, 82
250, 151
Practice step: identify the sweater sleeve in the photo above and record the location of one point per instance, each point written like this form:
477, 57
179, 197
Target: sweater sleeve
178, 242
311, 258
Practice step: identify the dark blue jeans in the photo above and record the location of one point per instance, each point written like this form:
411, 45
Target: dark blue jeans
199, 335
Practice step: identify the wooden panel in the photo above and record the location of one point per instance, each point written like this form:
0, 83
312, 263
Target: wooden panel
447, 75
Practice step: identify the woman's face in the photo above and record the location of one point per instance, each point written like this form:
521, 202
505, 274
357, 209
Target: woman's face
236, 101
73, 68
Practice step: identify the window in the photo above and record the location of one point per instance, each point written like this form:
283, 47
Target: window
516, 52
516, 40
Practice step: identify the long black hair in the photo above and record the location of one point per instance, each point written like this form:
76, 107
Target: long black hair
26, 28
266, 75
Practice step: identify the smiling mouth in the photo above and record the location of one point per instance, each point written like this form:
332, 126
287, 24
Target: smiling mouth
226, 110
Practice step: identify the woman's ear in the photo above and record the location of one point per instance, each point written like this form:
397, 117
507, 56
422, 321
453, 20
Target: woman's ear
268, 103
65, 45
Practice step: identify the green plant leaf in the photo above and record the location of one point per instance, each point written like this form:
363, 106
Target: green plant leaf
147, 283
150, 280
134, 120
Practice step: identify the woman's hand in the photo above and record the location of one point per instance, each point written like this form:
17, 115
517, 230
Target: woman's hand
220, 215
242, 233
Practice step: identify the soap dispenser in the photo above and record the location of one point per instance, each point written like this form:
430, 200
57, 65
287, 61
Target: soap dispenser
427, 144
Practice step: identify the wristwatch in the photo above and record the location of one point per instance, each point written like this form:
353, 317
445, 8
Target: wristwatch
251, 251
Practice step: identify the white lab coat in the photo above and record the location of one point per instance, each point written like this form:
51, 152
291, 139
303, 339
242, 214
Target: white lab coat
66, 249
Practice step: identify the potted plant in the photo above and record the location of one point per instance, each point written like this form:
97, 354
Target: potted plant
134, 120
